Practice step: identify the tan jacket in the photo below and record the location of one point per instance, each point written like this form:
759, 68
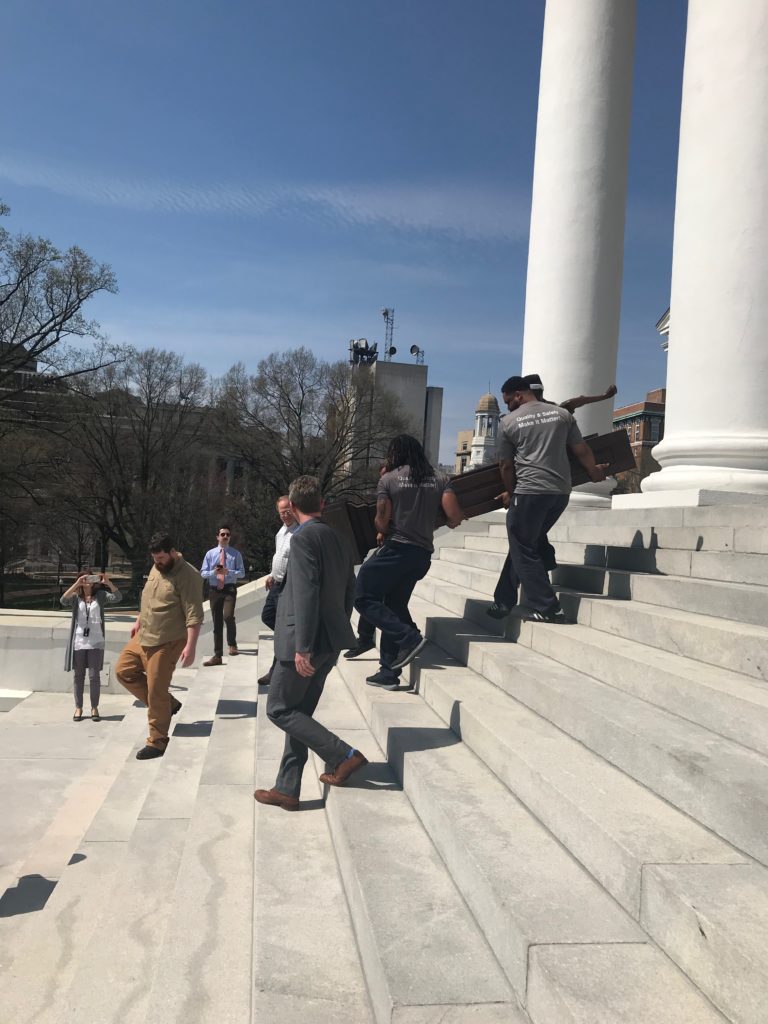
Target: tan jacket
169, 604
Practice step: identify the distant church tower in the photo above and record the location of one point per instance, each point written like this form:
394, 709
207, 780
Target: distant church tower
486, 432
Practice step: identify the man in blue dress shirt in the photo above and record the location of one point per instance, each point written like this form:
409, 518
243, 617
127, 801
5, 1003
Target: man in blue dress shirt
222, 567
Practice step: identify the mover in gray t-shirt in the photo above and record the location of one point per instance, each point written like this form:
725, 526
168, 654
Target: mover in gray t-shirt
533, 460
409, 497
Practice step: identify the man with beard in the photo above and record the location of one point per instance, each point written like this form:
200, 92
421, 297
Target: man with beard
165, 632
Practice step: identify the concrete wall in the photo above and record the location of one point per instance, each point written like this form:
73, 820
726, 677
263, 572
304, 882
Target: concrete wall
33, 644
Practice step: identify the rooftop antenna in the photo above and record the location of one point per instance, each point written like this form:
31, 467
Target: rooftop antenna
389, 330
418, 354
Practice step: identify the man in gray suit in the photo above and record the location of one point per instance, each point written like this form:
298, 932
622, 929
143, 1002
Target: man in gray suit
312, 628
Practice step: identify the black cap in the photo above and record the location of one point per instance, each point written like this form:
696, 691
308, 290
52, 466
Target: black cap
515, 384
534, 381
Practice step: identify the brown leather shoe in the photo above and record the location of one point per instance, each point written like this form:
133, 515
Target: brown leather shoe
339, 776
233, 651
275, 798
214, 660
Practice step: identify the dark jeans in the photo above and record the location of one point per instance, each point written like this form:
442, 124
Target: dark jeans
529, 519
290, 706
269, 611
384, 587
223, 610
366, 631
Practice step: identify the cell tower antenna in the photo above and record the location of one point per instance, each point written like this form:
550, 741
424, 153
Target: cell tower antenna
389, 330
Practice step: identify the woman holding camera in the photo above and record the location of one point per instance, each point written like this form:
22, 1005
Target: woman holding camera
85, 650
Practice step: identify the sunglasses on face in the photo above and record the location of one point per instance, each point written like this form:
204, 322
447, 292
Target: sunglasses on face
224, 535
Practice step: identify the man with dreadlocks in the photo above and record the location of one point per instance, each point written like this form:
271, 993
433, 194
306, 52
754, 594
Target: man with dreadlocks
409, 497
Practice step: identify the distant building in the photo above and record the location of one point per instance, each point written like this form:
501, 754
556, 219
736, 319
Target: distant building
478, 447
422, 404
486, 436
644, 424
463, 450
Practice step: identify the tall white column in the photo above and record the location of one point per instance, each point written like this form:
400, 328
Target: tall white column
576, 249
716, 430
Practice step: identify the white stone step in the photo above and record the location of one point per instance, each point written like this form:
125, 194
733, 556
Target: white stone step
684, 538
718, 782
734, 646
523, 888
747, 516
131, 928
10, 698
712, 920
613, 824
305, 961
47, 954
631, 984
472, 577
423, 954
722, 701
115, 970
205, 962
740, 602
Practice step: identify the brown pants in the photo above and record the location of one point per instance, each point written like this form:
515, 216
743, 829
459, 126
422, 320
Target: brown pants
146, 672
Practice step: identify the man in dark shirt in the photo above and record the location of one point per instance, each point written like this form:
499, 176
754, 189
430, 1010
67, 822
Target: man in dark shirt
409, 497
533, 460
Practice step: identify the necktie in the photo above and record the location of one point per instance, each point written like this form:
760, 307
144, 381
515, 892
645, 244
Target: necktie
222, 565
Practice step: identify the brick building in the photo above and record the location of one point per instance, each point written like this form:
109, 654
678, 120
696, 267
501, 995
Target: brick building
644, 424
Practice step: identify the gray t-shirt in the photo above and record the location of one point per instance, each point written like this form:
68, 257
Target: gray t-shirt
534, 437
414, 509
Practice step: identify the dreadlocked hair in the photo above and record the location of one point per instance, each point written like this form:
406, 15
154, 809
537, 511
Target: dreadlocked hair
405, 450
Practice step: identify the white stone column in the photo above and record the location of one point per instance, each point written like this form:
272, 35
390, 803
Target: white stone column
575, 257
716, 429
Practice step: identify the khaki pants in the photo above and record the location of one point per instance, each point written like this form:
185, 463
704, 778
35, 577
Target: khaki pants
146, 672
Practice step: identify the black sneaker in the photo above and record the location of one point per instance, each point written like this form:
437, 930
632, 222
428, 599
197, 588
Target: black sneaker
147, 753
361, 647
384, 679
175, 705
498, 610
551, 615
408, 651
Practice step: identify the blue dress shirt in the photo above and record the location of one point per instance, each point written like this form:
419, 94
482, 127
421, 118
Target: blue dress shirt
233, 560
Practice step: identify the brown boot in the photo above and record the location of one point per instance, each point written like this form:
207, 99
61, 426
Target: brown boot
233, 651
339, 776
275, 798
214, 660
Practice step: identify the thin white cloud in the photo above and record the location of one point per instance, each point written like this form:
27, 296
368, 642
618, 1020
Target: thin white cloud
468, 211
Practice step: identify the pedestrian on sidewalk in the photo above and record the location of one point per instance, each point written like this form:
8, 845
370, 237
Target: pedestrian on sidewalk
164, 633
274, 582
312, 628
409, 497
85, 647
533, 461
222, 568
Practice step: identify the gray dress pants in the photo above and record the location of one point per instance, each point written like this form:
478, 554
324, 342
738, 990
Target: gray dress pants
291, 703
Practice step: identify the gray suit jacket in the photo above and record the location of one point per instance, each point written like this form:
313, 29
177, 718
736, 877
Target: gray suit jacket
316, 601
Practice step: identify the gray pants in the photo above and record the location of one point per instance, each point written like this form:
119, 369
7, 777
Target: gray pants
292, 701
94, 662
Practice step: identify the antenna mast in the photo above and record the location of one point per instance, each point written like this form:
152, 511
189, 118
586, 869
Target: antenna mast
389, 331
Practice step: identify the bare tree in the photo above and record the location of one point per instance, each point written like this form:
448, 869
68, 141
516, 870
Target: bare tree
42, 294
132, 454
299, 414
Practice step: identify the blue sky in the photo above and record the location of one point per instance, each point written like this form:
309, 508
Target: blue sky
270, 173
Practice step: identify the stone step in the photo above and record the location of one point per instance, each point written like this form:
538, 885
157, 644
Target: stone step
739, 602
713, 922
305, 961
734, 646
718, 782
523, 888
648, 538
424, 957
614, 984
610, 822
131, 926
205, 962
722, 701
10, 698
747, 516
